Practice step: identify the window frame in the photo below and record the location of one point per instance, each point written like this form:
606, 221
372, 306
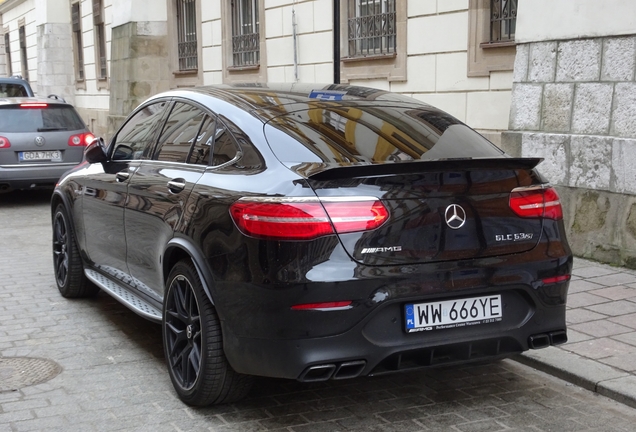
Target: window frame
7, 52
485, 56
101, 54
247, 73
390, 65
187, 35
186, 77
78, 44
24, 60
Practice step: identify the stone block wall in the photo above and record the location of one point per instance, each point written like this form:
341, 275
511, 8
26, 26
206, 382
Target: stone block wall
56, 72
574, 104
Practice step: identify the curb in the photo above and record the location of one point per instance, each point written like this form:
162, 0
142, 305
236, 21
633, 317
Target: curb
583, 372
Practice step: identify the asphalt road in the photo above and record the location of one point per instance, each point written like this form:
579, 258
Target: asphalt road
91, 364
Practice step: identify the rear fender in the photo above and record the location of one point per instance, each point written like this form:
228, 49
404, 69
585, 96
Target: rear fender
179, 248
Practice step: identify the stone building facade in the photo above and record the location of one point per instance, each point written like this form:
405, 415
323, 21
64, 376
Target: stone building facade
574, 104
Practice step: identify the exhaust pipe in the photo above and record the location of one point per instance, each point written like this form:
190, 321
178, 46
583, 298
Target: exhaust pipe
539, 341
317, 373
349, 369
558, 337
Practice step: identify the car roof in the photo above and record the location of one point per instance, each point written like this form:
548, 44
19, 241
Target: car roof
23, 100
267, 98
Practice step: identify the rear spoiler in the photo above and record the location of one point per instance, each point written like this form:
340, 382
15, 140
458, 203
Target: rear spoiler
328, 171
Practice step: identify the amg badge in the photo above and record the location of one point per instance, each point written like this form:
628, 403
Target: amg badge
382, 249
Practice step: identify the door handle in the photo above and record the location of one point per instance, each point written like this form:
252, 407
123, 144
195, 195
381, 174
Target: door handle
176, 185
122, 176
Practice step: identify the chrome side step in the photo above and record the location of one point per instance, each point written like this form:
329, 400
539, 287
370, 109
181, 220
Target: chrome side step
124, 296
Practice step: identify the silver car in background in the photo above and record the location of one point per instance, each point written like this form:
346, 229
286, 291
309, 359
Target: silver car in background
40, 139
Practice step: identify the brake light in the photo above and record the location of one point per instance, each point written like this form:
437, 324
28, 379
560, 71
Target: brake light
83, 139
34, 105
536, 203
4, 143
286, 219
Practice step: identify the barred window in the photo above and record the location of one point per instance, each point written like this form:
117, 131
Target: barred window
372, 29
7, 53
23, 53
503, 20
76, 20
245, 33
187, 35
100, 40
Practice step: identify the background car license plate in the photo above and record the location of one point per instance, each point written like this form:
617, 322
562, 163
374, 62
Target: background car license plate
54, 156
453, 313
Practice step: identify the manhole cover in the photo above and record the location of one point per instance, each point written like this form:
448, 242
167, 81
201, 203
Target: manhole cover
18, 372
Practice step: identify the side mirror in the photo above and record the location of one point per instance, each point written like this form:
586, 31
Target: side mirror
96, 151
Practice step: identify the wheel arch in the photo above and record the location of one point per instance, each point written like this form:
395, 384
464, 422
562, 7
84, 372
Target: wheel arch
180, 248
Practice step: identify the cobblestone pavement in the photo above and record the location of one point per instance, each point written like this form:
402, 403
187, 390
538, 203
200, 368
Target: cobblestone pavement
112, 374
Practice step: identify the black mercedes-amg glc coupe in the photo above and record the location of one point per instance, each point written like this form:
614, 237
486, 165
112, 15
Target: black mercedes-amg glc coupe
312, 232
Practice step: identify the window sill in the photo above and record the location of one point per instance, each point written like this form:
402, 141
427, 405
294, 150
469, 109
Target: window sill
373, 57
491, 45
189, 72
243, 68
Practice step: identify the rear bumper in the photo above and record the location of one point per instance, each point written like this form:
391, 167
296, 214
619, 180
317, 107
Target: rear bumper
30, 176
358, 353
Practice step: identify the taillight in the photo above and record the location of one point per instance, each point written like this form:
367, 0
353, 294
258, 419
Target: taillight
81, 140
556, 279
536, 203
286, 219
4, 143
325, 306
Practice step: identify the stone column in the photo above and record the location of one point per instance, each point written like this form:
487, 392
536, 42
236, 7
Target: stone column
140, 61
56, 73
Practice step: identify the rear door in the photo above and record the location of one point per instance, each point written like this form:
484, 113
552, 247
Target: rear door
159, 191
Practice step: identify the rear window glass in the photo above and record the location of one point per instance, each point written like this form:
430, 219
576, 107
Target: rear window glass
51, 118
13, 90
374, 134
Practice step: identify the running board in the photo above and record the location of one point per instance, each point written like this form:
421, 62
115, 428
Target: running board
124, 296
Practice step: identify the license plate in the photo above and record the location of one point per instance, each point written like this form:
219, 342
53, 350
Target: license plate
53, 156
453, 313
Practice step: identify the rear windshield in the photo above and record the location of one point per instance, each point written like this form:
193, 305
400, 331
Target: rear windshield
52, 118
374, 134
13, 90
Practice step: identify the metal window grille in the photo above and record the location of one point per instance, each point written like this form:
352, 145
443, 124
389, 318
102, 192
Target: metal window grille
245, 33
23, 53
503, 20
7, 51
187, 35
372, 29
76, 20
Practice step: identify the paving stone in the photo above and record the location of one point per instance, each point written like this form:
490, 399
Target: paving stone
584, 299
579, 315
616, 292
600, 348
612, 279
593, 270
626, 320
601, 328
616, 308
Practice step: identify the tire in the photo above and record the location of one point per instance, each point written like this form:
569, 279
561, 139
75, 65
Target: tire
193, 343
67, 264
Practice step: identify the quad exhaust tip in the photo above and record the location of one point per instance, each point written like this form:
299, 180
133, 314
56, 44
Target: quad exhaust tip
544, 340
336, 371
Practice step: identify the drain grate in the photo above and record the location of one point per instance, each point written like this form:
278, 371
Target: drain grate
18, 372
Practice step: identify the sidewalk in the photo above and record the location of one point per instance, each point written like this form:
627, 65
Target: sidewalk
600, 354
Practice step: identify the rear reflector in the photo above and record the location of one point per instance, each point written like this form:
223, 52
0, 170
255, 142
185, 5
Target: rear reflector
286, 219
536, 203
556, 279
81, 140
4, 143
339, 305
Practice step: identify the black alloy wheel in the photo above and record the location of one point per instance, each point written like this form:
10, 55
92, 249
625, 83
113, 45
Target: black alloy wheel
193, 343
67, 264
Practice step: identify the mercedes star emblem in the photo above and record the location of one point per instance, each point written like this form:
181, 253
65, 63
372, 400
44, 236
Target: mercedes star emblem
455, 216
39, 141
